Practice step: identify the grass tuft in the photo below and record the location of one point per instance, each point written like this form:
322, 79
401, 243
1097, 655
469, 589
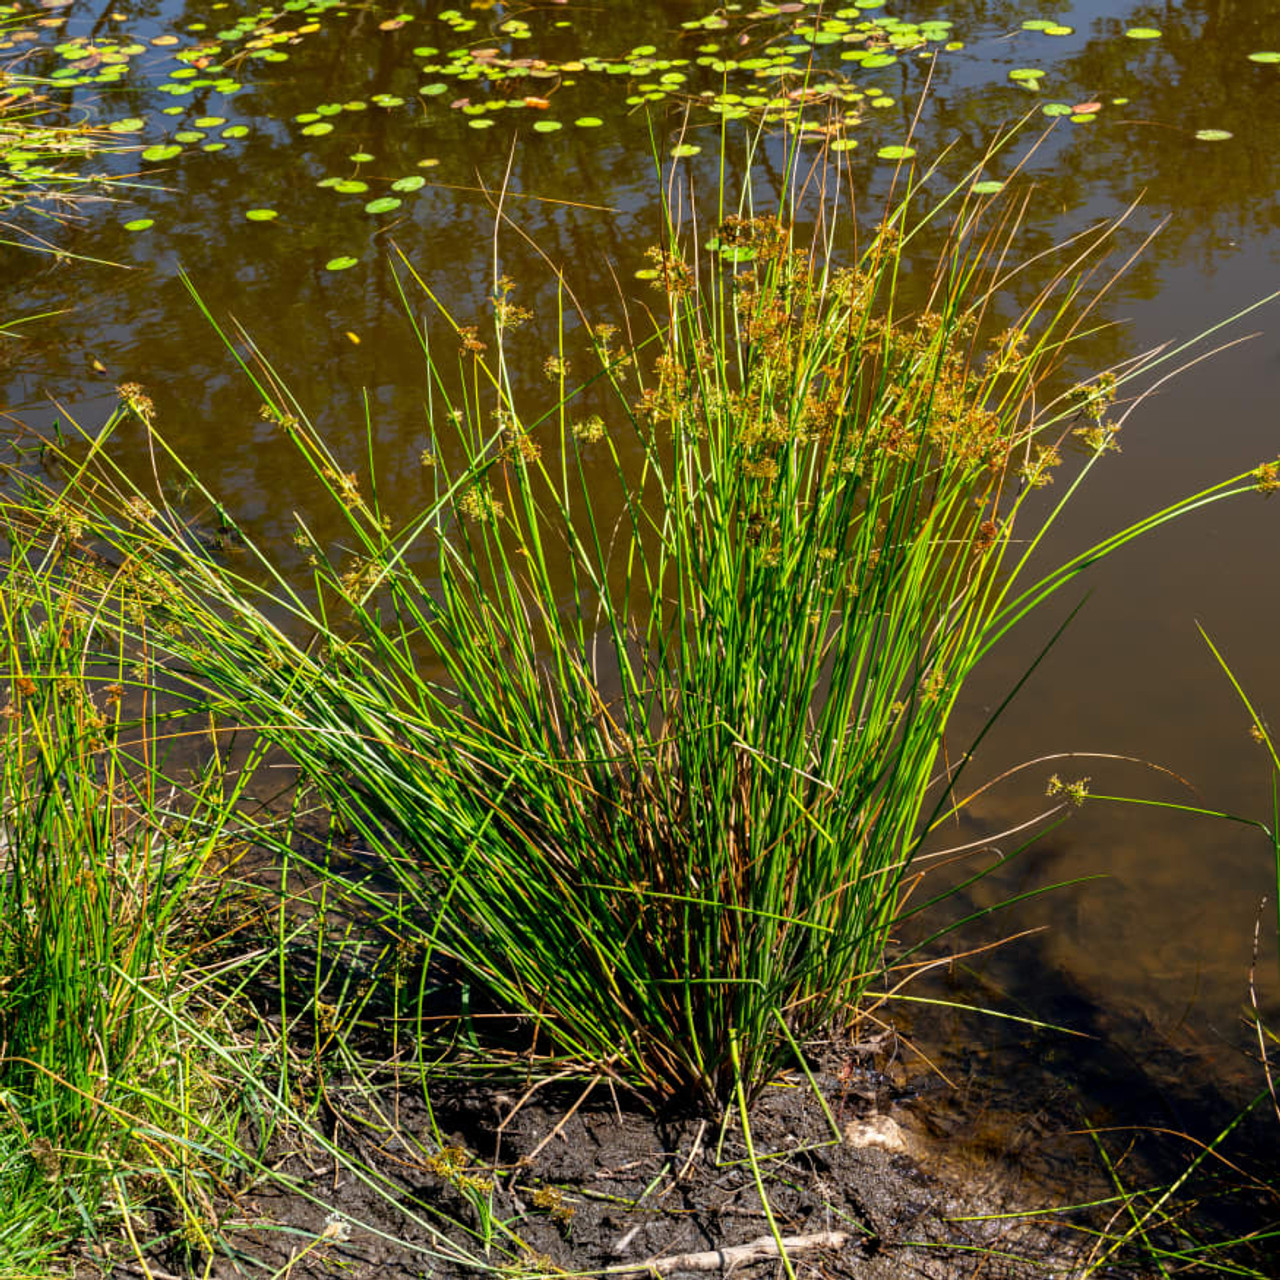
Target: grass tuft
643, 711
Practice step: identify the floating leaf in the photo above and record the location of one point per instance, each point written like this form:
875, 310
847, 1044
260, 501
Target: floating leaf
348, 186
1086, 108
1265, 55
360, 157
685, 149
481, 124
340, 264
260, 215
1143, 33
844, 144
162, 152
317, 130
210, 122
1213, 135
412, 183
139, 224
383, 204
189, 135
1056, 109
236, 131
588, 122
132, 124
896, 153
547, 126
988, 187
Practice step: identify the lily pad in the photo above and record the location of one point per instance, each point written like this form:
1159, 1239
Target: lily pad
686, 149
988, 187
896, 153
1213, 135
131, 124
588, 122
340, 264
1265, 55
317, 130
383, 204
139, 224
261, 215
411, 183
547, 126
162, 152
1144, 33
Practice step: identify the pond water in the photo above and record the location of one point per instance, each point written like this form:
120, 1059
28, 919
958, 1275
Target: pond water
292, 153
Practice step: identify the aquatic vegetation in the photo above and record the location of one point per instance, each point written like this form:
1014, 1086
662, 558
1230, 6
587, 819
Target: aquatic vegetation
663, 801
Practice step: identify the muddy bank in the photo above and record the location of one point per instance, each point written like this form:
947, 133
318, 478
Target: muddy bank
884, 1175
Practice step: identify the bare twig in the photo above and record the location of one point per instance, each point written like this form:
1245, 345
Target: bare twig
737, 1255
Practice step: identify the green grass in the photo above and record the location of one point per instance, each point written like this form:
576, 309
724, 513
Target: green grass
106, 868
643, 715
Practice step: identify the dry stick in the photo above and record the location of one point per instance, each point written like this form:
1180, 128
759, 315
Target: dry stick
564, 1120
1257, 1014
735, 1256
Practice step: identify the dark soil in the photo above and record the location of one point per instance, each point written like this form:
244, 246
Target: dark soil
581, 1178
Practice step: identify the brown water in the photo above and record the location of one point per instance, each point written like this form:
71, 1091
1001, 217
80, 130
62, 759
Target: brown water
1162, 944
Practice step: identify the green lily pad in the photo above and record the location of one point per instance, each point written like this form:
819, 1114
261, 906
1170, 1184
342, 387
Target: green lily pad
384, 204
1213, 135
588, 122
686, 149
411, 183
349, 186
844, 144
987, 187
317, 130
139, 224
1265, 55
896, 153
236, 131
340, 264
162, 152
132, 124
547, 126
261, 215
1144, 33
360, 157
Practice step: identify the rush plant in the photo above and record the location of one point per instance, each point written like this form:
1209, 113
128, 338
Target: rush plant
643, 714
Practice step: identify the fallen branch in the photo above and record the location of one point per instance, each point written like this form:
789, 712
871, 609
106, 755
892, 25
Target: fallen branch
737, 1255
